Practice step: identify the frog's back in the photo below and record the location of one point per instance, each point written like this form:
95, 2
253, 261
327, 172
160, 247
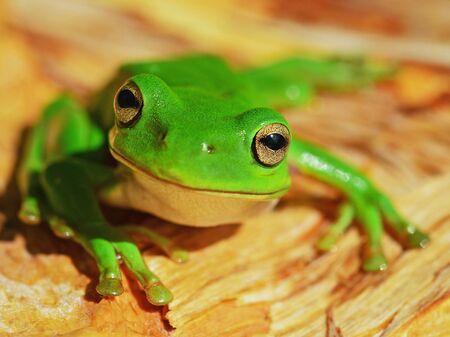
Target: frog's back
208, 72
204, 72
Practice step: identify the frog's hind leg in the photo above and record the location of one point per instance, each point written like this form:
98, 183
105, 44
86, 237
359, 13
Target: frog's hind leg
31, 166
71, 196
293, 81
370, 204
64, 128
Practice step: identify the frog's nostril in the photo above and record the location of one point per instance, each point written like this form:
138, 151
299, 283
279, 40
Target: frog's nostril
162, 136
208, 148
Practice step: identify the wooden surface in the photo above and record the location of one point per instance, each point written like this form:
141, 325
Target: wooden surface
263, 277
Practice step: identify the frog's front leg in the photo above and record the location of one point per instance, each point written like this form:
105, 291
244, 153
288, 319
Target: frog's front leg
370, 204
70, 194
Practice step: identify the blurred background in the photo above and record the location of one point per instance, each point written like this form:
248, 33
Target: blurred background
397, 131
72, 38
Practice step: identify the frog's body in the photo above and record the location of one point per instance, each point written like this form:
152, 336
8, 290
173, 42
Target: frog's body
197, 144
203, 100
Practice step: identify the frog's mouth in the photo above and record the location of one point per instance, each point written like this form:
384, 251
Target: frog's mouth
136, 168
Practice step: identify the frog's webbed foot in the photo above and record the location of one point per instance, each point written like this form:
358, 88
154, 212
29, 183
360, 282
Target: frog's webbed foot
119, 243
177, 254
73, 212
368, 204
105, 244
155, 291
370, 207
373, 256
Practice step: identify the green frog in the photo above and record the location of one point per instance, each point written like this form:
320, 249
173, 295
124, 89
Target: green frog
197, 143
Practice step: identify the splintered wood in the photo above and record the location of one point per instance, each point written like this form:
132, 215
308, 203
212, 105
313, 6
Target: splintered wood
262, 277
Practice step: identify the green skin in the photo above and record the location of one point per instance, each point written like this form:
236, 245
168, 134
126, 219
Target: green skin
189, 102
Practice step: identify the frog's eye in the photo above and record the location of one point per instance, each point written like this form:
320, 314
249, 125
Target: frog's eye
128, 104
271, 143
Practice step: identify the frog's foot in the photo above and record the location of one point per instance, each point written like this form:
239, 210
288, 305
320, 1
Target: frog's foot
70, 194
29, 212
370, 218
105, 243
345, 218
374, 260
371, 208
165, 244
155, 291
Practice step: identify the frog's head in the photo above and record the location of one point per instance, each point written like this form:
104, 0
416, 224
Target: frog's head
199, 140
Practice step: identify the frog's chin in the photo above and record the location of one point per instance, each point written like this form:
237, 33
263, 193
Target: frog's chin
185, 205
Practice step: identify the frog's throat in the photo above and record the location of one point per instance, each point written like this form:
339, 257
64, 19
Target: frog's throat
251, 195
183, 205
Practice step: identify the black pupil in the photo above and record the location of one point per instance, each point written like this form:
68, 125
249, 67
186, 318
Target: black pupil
126, 99
274, 141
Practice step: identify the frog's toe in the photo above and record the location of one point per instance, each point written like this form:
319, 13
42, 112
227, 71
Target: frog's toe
326, 243
158, 294
29, 212
110, 287
155, 291
417, 239
179, 255
375, 262
175, 253
338, 228
60, 228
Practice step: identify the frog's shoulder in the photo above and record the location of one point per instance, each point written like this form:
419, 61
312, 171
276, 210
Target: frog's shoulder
205, 71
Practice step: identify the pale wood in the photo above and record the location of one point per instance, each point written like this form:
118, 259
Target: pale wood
260, 278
